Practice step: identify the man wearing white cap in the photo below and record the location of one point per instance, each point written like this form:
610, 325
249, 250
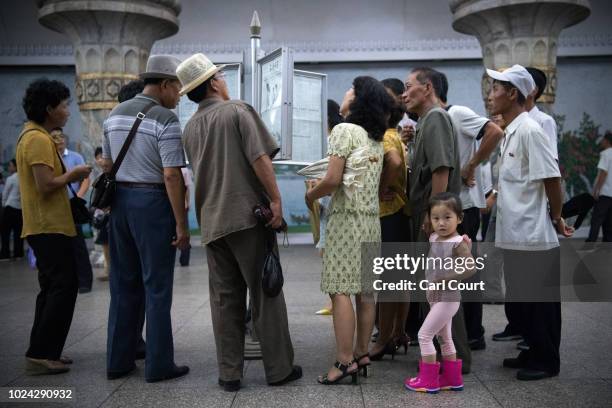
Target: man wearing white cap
528, 221
231, 152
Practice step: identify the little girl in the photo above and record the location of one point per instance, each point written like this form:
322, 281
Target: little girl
445, 213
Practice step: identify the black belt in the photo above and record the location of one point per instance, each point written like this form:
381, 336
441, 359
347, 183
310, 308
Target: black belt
156, 186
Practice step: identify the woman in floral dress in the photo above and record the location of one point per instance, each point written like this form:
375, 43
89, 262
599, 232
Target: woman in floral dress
353, 220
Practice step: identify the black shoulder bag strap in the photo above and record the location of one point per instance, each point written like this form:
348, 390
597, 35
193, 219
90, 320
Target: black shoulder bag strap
74, 194
128, 141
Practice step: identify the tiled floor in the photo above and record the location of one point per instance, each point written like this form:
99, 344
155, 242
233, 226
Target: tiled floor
585, 379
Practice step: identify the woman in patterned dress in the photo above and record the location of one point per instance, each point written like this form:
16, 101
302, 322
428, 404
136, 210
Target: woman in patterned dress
352, 220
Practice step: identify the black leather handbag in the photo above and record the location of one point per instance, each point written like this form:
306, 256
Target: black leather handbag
105, 185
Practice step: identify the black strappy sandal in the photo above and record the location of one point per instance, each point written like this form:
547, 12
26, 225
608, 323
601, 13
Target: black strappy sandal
345, 373
363, 368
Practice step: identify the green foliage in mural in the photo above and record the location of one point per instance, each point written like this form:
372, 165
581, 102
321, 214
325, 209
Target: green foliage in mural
578, 155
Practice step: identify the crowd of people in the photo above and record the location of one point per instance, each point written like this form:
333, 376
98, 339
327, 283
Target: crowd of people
424, 179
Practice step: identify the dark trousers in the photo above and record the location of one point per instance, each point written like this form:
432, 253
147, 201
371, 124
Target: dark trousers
141, 276
472, 310
602, 218
235, 263
12, 222
458, 328
578, 206
58, 292
533, 276
83, 265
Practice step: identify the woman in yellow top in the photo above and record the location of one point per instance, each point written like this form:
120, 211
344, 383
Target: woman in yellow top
394, 225
47, 223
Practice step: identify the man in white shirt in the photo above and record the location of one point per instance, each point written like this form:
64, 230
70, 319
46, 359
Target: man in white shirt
526, 230
12, 219
602, 192
477, 137
546, 121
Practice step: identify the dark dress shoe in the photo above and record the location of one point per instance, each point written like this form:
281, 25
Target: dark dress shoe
178, 371
506, 335
529, 374
295, 374
36, 366
84, 290
115, 375
522, 345
230, 386
514, 363
477, 344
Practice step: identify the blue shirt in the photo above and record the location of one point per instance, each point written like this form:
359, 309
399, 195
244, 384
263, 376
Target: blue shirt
71, 160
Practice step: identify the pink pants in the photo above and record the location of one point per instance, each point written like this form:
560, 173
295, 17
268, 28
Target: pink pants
438, 321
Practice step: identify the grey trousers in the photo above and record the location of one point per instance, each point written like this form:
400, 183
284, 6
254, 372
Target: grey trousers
494, 268
458, 325
235, 263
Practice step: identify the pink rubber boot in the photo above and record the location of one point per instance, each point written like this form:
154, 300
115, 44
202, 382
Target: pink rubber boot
451, 379
427, 380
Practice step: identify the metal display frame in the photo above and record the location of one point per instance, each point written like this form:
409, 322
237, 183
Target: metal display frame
323, 84
238, 67
286, 60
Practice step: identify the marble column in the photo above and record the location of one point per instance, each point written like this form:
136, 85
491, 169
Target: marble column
522, 32
112, 40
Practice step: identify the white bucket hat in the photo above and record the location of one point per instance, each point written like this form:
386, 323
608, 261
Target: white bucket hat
518, 76
194, 71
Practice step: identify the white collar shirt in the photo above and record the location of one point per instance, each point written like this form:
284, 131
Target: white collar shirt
549, 126
526, 159
469, 128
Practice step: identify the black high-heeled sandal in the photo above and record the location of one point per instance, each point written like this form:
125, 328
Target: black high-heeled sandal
402, 341
345, 373
363, 368
388, 349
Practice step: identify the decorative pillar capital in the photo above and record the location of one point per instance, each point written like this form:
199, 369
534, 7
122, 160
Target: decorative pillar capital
112, 40
524, 32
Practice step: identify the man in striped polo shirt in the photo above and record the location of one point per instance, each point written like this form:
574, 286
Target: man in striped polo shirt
148, 223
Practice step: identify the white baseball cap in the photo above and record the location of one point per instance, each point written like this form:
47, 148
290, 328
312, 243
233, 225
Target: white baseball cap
518, 76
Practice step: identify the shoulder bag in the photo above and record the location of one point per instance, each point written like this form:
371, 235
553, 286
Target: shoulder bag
105, 185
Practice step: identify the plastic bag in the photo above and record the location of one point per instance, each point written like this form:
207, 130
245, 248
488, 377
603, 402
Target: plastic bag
31, 258
354, 170
272, 277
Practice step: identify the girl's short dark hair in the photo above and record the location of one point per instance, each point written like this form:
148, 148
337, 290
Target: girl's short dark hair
371, 107
448, 199
41, 94
97, 151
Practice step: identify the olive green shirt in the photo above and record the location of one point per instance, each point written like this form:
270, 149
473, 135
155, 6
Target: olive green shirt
222, 140
435, 147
